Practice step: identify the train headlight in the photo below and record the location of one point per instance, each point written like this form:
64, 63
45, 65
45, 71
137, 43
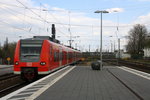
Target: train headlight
43, 63
16, 63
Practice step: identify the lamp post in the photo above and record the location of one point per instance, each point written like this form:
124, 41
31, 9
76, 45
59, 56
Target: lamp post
101, 12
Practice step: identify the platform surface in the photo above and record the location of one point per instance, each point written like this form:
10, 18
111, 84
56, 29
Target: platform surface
83, 83
6, 69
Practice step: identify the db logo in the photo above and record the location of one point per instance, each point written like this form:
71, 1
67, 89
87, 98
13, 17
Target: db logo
29, 63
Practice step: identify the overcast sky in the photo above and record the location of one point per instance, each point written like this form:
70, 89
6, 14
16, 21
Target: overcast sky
21, 19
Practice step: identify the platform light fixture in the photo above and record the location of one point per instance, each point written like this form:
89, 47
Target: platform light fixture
101, 12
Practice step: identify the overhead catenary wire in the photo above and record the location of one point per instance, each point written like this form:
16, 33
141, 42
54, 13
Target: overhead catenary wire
68, 24
31, 10
35, 13
31, 25
29, 16
52, 16
14, 15
65, 24
10, 5
59, 23
11, 11
15, 27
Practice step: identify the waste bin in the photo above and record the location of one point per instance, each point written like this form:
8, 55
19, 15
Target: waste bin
96, 65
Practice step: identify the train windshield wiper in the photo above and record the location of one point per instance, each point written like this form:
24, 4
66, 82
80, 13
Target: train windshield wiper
25, 55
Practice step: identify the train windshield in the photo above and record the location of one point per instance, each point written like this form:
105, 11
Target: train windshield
30, 52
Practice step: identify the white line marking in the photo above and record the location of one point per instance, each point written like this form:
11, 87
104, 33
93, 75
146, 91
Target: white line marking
24, 93
138, 71
42, 83
24, 88
36, 94
17, 98
37, 86
32, 89
133, 71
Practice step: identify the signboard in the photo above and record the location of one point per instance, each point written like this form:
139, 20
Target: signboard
8, 59
29, 64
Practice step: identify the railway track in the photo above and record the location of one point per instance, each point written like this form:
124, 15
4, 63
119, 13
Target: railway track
135, 65
10, 83
6, 76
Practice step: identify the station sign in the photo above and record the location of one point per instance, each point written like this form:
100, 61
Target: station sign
8, 58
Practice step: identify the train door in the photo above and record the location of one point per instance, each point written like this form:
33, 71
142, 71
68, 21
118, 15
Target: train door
60, 56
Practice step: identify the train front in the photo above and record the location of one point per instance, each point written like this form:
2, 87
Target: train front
28, 59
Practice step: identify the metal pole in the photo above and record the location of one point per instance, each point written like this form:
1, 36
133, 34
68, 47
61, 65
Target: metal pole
70, 31
101, 44
111, 47
89, 48
114, 45
104, 11
76, 45
119, 47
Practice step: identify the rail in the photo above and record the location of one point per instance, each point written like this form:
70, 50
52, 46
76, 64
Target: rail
136, 65
9, 83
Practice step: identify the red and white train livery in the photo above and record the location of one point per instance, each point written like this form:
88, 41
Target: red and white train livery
40, 56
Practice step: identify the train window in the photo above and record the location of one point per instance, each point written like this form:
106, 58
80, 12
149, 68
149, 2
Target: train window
60, 56
69, 55
57, 56
30, 53
30, 50
63, 56
54, 56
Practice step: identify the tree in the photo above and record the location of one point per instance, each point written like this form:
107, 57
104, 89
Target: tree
5, 50
136, 41
147, 41
1, 55
11, 47
6, 44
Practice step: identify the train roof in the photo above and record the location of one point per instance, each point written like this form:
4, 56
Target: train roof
46, 38
43, 38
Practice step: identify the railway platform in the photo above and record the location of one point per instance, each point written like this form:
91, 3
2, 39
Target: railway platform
6, 69
83, 83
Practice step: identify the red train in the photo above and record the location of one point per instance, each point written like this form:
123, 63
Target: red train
40, 56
